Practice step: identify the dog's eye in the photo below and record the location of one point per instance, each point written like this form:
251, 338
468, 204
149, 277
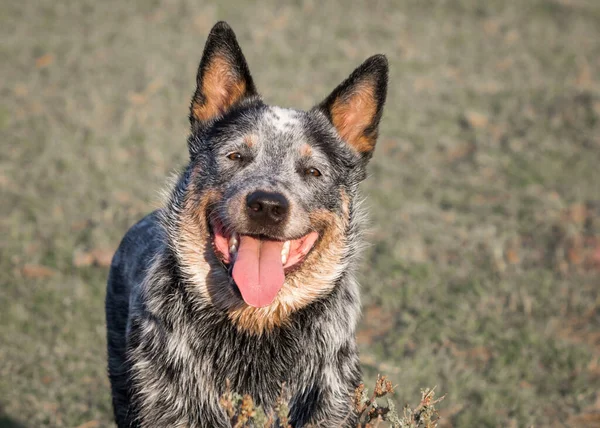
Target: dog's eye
312, 171
235, 156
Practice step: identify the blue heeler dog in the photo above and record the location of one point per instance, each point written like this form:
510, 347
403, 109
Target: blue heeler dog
245, 277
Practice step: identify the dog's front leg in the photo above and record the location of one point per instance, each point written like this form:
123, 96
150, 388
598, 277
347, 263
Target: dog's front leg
328, 401
168, 390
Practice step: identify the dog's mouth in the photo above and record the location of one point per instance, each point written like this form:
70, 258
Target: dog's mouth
258, 264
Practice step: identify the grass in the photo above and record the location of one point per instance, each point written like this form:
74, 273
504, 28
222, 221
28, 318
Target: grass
484, 267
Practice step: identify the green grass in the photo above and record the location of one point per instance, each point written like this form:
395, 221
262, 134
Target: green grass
484, 270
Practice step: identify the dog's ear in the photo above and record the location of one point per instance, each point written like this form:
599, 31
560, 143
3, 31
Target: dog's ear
223, 78
355, 106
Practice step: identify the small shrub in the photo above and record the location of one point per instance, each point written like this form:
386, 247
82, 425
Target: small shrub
242, 412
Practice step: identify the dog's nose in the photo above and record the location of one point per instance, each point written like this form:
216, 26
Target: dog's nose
267, 207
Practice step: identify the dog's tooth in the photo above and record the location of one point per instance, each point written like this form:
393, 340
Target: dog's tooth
285, 251
233, 243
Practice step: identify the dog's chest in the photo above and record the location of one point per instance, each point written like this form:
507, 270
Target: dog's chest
262, 366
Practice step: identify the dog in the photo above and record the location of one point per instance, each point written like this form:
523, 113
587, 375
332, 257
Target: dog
244, 279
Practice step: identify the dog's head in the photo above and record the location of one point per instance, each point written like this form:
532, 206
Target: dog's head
265, 219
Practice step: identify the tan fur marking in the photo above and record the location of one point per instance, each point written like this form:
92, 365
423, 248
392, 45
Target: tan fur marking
313, 279
194, 246
353, 116
306, 150
250, 140
221, 89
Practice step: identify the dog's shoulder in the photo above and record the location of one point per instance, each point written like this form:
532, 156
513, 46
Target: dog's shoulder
135, 253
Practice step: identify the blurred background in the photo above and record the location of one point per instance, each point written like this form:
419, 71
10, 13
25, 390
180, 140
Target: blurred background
483, 273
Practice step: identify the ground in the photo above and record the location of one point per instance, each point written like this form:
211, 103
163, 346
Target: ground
483, 271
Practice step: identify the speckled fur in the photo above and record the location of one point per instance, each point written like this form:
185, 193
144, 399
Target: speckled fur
172, 339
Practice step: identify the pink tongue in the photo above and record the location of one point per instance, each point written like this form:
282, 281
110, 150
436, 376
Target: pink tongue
258, 271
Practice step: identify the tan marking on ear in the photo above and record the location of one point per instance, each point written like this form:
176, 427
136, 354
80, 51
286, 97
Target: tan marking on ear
250, 140
313, 279
221, 89
353, 115
306, 150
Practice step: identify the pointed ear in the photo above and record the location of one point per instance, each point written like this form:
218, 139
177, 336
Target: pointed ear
355, 106
223, 77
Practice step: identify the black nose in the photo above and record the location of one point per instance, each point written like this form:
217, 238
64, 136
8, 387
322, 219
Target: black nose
267, 207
